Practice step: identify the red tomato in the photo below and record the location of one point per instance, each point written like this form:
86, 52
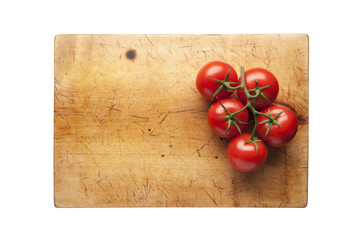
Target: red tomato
216, 70
278, 135
219, 126
245, 157
264, 78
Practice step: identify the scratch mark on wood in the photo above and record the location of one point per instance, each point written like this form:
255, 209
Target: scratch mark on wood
149, 40
149, 54
134, 181
96, 164
193, 90
164, 118
299, 69
76, 161
233, 51
66, 122
246, 44
104, 189
147, 118
263, 201
138, 122
267, 60
100, 180
199, 154
217, 186
57, 81
109, 182
201, 111
115, 109
166, 190
99, 120
253, 50
152, 134
64, 95
213, 200
206, 143
86, 191
168, 47
140, 42
191, 182
239, 192
164, 194
186, 110
220, 36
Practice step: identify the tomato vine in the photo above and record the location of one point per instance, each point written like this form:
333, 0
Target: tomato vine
257, 93
274, 124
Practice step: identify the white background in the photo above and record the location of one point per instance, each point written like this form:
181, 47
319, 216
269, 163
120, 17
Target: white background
26, 119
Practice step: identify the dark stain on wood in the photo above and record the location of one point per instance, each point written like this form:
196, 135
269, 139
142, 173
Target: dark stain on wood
131, 54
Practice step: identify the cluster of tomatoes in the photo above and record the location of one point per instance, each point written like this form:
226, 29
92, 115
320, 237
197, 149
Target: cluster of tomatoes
274, 125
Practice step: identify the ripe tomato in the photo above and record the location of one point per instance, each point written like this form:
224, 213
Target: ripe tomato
264, 78
245, 157
219, 120
216, 70
280, 132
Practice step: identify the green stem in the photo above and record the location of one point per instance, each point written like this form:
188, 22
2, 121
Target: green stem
233, 88
252, 108
255, 116
265, 115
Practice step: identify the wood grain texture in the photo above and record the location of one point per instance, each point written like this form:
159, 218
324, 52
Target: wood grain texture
133, 132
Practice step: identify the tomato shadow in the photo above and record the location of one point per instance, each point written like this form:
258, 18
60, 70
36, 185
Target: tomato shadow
276, 156
266, 177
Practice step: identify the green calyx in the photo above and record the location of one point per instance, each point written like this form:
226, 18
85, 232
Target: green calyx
224, 84
231, 117
254, 141
271, 120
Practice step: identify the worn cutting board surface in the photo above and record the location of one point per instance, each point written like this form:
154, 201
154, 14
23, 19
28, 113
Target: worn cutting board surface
130, 128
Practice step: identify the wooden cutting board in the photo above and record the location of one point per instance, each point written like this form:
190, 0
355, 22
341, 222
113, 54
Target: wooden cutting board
130, 128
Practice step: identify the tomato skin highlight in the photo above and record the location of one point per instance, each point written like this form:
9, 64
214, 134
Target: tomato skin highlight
278, 136
264, 78
243, 156
217, 70
219, 126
